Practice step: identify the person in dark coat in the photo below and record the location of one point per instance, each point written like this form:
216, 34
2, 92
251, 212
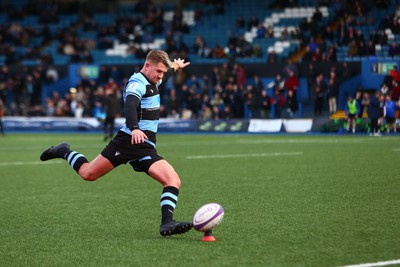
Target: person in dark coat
374, 112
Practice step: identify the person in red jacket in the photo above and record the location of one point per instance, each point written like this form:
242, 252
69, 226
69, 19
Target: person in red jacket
395, 74
292, 83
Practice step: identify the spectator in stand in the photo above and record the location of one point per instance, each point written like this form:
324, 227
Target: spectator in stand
333, 92
395, 74
179, 79
173, 103
343, 38
319, 89
374, 37
395, 26
389, 112
353, 48
351, 113
397, 13
258, 84
292, 83
205, 85
290, 65
317, 16
269, 32
265, 106
370, 49
331, 55
292, 104
395, 90
312, 45
383, 38
217, 102
279, 85
240, 22
359, 37
272, 57
393, 49
224, 73
374, 113
215, 76
358, 98
277, 103
307, 56
255, 51
239, 74
362, 49
111, 109
252, 104
311, 76
261, 31
194, 83
385, 90
365, 101
253, 23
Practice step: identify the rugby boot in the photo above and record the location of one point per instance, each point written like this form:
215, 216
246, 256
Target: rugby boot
55, 152
173, 228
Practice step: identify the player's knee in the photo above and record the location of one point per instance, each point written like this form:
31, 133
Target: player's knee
174, 181
177, 182
89, 176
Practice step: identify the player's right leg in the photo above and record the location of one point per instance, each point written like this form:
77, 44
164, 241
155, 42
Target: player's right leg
164, 173
89, 171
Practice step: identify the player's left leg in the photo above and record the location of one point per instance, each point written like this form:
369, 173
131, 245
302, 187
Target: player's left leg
89, 171
164, 173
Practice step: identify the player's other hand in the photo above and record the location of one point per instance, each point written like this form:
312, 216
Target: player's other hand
138, 136
181, 63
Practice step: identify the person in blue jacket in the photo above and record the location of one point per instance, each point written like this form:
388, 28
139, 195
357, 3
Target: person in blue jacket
389, 112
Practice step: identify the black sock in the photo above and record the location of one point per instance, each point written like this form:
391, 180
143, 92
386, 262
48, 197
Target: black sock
169, 198
75, 159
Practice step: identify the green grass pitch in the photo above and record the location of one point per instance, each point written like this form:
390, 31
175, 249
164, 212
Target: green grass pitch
289, 201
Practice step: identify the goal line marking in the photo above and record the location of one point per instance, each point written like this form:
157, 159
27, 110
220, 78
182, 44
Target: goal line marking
244, 155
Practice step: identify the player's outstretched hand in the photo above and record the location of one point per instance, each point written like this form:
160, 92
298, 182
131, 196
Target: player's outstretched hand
181, 63
138, 137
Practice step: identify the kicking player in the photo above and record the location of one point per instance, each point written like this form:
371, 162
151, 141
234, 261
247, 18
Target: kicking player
135, 143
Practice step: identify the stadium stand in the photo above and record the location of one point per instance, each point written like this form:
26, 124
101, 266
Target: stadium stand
209, 33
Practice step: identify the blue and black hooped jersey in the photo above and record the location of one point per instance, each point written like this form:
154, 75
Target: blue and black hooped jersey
148, 111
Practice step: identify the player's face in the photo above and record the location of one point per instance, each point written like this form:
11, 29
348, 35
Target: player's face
155, 71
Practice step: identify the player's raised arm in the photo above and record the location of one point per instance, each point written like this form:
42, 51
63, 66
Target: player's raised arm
179, 64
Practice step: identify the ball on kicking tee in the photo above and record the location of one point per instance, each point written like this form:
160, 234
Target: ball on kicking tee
207, 217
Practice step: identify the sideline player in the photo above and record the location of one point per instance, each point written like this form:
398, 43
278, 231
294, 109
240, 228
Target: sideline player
135, 143
351, 110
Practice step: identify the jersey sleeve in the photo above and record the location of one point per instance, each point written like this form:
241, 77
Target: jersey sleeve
135, 88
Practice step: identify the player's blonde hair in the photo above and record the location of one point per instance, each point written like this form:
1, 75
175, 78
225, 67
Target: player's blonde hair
156, 56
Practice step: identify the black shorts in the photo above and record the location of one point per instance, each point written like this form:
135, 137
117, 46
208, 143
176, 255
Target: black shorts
121, 151
351, 116
390, 120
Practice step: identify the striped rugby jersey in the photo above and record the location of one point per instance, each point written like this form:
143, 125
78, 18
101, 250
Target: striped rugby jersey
148, 111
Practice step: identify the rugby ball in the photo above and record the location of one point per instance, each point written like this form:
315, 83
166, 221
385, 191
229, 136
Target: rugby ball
207, 217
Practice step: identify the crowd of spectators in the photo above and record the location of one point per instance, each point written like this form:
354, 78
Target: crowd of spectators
227, 93
352, 20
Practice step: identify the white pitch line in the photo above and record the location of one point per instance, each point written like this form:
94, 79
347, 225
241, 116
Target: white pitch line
243, 155
373, 264
15, 163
